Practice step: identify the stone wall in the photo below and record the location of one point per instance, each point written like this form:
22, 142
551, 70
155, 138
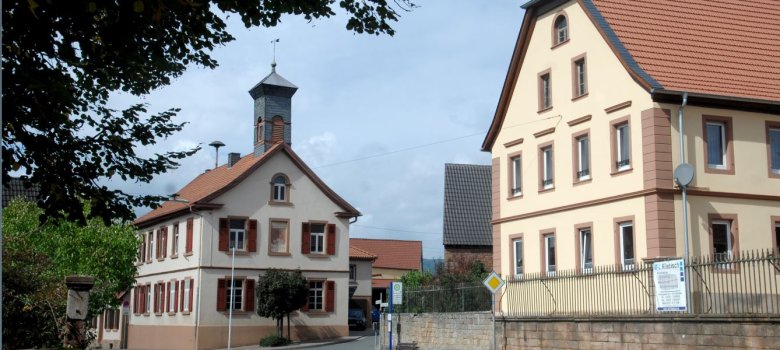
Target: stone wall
461, 255
473, 331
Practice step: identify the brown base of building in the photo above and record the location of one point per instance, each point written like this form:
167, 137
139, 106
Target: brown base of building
216, 337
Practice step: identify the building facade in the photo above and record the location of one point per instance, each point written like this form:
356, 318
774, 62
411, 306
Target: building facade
467, 234
263, 210
394, 258
585, 138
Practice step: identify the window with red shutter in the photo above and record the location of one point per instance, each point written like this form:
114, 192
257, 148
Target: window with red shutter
188, 245
331, 233
221, 295
249, 295
252, 236
330, 296
164, 248
306, 238
223, 234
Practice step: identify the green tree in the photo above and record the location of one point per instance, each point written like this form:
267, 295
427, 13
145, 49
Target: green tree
62, 60
279, 293
416, 279
36, 259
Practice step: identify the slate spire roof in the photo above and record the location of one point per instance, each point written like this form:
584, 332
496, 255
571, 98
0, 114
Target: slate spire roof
467, 205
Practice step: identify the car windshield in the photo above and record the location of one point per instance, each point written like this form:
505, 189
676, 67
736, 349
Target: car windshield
356, 313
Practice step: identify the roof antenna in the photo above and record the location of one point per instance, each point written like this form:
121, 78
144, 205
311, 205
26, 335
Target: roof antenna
216, 145
273, 64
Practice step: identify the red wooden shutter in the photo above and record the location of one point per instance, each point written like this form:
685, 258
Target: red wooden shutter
159, 243
223, 235
154, 297
165, 242
221, 294
305, 307
192, 292
331, 233
181, 295
168, 298
249, 296
252, 247
163, 293
330, 297
143, 300
188, 247
306, 238
135, 300
175, 301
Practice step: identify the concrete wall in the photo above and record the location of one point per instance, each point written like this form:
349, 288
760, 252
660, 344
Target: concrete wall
473, 331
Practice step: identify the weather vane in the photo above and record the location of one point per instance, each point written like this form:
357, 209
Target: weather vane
273, 42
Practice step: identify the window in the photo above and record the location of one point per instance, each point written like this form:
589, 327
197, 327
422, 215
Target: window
171, 302
518, 252
546, 153
773, 147
235, 294
159, 298
316, 291
352, 272
237, 235
279, 187
162, 243
148, 306
188, 243
722, 241
150, 246
586, 250
175, 240
279, 237
717, 145
317, 238
626, 234
623, 152
545, 93
186, 299
579, 78
111, 319
142, 248
517, 176
549, 254
777, 236
583, 158
561, 30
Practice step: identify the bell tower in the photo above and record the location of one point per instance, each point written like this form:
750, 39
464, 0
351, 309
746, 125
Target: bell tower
273, 111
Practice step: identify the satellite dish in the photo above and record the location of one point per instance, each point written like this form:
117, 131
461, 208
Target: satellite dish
683, 174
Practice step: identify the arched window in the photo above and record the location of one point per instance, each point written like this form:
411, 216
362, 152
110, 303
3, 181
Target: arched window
561, 29
280, 188
259, 131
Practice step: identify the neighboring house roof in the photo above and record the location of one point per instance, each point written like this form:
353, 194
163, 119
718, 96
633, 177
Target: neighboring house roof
722, 53
390, 253
380, 282
467, 205
14, 187
356, 253
209, 185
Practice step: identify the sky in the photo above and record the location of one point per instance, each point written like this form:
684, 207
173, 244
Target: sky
376, 117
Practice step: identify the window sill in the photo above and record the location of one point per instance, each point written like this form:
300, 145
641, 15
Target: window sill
278, 254
544, 110
186, 313
723, 171
171, 313
188, 254
158, 313
513, 197
160, 259
549, 189
146, 314
318, 255
236, 312
621, 172
318, 313
175, 256
576, 98
237, 252
774, 174
280, 203
582, 182
559, 44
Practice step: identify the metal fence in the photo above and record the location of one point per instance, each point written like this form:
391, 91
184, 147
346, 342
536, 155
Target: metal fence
455, 298
746, 283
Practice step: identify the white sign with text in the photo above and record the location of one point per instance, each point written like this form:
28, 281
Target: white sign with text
669, 281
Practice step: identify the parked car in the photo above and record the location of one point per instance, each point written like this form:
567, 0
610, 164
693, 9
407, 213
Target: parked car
356, 319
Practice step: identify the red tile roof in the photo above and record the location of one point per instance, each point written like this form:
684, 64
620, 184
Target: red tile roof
356, 253
713, 47
392, 254
209, 185
380, 282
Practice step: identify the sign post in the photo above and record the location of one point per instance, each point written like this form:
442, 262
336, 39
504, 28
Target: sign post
396, 297
670, 286
493, 283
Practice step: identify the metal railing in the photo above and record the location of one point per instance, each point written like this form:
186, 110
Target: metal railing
745, 283
456, 298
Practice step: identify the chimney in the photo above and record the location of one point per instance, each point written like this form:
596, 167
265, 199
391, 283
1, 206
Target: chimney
233, 159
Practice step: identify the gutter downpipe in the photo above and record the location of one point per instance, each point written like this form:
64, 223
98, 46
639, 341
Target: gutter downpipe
200, 279
684, 199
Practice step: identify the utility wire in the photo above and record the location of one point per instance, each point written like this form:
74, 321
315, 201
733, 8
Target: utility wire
396, 229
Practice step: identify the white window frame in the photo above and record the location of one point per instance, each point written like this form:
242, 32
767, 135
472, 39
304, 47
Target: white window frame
772, 150
627, 265
582, 87
723, 146
586, 244
561, 32
235, 288
273, 248
151, 254
623, 155
550, 269
186, 296
548, 171
517, 176
172, 289
148, 298
160, 293
583, 173
280, 189
353, 272
317, 239
729, 254
517, 245
316, 296
546, 91
237, 235
175, 241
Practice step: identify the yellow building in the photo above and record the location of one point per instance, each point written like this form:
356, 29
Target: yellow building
585, 138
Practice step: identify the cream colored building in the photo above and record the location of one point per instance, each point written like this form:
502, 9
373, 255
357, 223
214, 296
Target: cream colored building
585, 137
272, 211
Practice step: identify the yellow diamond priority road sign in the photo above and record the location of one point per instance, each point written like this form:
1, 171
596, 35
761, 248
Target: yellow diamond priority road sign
493, 282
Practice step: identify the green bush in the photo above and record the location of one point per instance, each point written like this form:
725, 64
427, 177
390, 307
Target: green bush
274, 340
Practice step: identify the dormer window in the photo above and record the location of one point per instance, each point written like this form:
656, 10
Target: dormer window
560, 30
280, 188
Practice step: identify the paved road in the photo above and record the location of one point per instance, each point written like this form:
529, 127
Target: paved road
365, 343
